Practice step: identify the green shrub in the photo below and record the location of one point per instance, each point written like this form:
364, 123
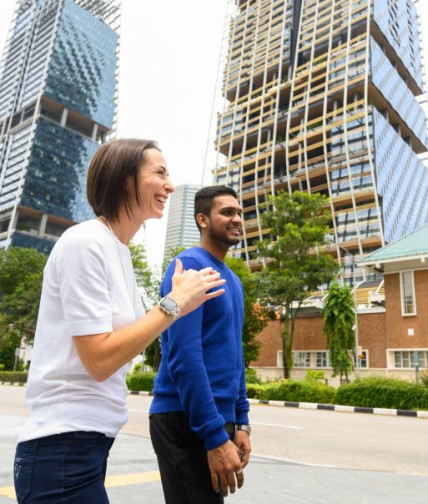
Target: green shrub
295, 391
2, 367
13, 377
423, 377
307, 391
137, 368
383, 392
251, 376
315, 375
140, 381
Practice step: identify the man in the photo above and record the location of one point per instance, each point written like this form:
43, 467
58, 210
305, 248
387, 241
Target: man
199, 414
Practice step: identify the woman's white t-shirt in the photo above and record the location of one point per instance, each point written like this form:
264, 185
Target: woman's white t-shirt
89, 287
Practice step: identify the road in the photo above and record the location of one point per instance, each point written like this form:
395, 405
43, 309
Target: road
314, 437
299, 457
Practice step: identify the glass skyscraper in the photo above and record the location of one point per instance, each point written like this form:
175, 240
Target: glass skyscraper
58, 86
181, 229
320, 96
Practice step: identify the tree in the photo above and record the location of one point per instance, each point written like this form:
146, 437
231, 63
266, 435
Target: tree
295, 262
339, 318
148, 280
256, 316
21, 274
16, 264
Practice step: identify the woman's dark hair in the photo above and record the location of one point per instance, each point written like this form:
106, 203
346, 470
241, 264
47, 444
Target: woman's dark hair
114, 163
204, 199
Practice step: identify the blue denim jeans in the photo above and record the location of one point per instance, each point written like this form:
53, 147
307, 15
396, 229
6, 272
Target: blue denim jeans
65, 468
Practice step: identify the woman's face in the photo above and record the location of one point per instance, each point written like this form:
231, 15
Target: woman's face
154, 185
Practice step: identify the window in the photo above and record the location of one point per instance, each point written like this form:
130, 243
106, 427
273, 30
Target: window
322, 359
408, 301
406, 358
364, 359
302, 359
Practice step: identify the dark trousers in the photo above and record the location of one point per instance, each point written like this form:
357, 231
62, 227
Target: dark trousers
182, 460
65, 468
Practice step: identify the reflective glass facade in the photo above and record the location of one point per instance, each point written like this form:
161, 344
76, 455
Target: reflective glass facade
58, 86
81, 74
320, 96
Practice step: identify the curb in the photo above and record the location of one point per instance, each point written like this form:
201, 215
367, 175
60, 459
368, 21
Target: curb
325, 407
340, 408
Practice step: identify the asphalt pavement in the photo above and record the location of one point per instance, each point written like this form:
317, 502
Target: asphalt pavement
133, 478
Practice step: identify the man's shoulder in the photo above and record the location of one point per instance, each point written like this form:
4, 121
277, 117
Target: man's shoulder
194, 257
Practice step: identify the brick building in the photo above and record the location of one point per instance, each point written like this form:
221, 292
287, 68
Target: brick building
392, 321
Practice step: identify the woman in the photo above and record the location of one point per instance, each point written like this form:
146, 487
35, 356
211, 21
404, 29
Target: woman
91, 325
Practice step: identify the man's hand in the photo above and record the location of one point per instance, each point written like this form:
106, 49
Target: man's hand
242, 441
225, 465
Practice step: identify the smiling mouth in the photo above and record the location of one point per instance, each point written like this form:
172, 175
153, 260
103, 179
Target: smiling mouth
160, 199
235, 231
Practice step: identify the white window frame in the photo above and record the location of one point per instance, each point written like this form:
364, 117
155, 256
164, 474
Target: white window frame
302, 356
403, 312
327, 358
365, 353
409, 356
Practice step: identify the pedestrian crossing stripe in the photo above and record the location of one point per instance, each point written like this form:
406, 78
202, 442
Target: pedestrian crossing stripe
115, 480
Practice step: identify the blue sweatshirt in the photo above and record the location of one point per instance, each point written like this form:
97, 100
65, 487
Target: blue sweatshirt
202, 369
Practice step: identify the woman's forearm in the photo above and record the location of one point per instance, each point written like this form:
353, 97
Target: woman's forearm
103, 354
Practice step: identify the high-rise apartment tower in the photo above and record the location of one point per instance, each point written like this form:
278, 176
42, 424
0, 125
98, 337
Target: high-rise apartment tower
320, 96
58, 85
181, 229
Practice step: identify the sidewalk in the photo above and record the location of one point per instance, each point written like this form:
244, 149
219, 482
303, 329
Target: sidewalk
133, 478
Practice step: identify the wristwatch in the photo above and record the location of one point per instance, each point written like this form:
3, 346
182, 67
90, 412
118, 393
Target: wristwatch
244, 427
169, 306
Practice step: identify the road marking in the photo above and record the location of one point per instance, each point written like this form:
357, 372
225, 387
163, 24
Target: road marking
277, 425
8, 492
115, 480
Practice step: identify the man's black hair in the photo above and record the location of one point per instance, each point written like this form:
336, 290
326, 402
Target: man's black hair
204, 199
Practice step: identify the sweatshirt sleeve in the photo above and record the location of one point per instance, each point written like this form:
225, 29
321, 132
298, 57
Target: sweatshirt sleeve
242, 406
188, 372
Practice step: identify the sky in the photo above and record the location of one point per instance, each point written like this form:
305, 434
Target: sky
169, 61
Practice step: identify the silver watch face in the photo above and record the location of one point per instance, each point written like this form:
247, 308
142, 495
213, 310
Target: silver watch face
168, 304
246, 428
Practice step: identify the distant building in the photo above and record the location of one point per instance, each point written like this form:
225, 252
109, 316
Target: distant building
392, 321
58, 86
321, 97
181, 229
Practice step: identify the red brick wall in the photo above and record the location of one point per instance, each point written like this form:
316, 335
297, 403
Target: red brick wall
270, 342
396, 325
308, 336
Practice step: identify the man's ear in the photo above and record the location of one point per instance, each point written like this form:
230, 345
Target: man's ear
202, 220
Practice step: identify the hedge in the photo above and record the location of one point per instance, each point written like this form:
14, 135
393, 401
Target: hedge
13, 377
140, 381
381, 392
290, 390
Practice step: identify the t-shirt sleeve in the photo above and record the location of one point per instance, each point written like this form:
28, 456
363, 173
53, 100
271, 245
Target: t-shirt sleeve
83, 284
188, 372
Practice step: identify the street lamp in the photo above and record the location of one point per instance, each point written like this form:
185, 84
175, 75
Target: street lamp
357, 351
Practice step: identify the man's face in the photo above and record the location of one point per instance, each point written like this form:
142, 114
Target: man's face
225, 220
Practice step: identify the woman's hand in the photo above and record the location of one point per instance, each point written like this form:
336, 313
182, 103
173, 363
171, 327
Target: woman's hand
189, 287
